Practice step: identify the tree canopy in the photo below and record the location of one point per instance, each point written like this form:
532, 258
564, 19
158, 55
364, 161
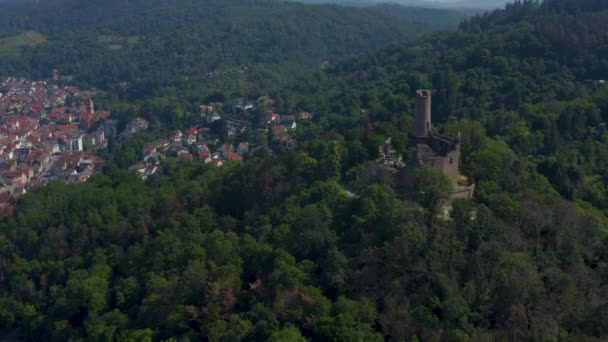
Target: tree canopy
276, 248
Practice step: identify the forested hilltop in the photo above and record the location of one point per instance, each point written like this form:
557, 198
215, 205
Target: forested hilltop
274, 249
192, 45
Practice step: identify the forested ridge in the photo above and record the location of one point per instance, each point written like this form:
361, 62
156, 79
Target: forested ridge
275, 249
194, 45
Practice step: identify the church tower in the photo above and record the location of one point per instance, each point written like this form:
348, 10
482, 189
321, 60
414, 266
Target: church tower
91, 105
83, 108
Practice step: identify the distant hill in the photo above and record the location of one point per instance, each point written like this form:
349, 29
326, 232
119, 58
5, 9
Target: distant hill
160, 42
506, 56
484, 4
446, 4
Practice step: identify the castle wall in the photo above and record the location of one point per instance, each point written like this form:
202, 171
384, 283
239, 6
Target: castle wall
448, 165
451, 166
464, 192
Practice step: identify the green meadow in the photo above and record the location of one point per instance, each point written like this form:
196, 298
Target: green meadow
11, 46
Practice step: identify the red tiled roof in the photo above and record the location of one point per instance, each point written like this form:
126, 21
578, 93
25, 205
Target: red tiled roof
278, 129
184, 156
234, 157
70, 127
5, 198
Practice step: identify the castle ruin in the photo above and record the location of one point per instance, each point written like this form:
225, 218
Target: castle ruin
434, 149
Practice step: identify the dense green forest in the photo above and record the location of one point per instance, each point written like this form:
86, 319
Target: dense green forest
192, 45
275, 249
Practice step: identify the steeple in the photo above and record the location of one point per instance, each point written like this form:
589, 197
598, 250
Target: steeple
91, 105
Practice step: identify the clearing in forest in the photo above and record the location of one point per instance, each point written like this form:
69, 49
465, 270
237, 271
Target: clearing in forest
11, 46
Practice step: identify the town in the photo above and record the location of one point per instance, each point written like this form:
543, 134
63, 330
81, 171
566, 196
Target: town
52, 132
203, 144
48, 133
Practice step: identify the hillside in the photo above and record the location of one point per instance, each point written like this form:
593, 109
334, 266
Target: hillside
525, 54
11, 46
275, 249
530, 75
188, 43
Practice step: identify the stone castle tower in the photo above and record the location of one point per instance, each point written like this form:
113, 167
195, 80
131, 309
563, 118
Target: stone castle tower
433, 149
422, 122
